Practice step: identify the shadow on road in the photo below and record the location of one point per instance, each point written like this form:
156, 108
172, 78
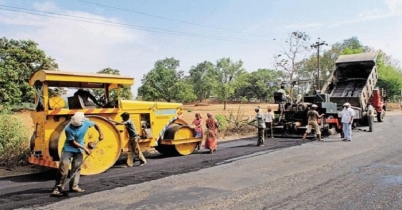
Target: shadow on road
36, 177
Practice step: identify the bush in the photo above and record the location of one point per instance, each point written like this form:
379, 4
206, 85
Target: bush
237, 119
14, 140
243, 99
222, 121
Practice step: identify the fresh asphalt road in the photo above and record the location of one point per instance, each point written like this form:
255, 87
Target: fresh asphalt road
365, 173
33, 190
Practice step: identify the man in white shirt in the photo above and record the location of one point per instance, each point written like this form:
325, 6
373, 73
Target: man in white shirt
347, 120
269, 119
285, 96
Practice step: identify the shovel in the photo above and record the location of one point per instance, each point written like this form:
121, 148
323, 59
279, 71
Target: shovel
91, 146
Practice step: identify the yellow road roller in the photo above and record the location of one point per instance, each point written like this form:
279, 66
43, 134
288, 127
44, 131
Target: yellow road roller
159, 123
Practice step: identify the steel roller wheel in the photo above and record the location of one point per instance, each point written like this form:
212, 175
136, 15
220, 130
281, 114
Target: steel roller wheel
106, 152
177, 132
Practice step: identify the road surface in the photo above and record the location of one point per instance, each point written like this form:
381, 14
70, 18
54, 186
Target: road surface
365, 173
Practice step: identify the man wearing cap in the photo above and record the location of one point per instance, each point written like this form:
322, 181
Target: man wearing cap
260, 125
312, 119
347, 120
72, 151
133, 146
269, 120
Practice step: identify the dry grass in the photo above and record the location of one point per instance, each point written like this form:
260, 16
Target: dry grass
217, 109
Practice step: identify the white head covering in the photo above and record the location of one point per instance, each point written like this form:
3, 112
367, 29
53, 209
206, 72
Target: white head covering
78, 119
346, 104
315, 106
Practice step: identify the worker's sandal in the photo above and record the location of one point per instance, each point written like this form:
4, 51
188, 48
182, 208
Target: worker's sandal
55, 191
76, 189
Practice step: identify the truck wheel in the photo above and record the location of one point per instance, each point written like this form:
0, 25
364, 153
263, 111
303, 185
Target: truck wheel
380, 116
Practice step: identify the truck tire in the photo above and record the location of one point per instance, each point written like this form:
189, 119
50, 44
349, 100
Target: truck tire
380, 116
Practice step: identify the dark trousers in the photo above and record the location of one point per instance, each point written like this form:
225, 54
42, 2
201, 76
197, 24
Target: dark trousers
68, 158
269, 129
260, 136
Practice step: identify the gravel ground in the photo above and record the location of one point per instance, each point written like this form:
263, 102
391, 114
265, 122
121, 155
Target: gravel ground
365, 173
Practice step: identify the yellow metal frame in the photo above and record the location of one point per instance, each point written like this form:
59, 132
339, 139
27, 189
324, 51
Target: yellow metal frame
70, 79
47, 121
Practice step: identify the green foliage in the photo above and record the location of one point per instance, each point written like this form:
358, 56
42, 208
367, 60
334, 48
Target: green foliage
202, 76
227, 74
164, 82
222, 121
125, 90
14, 139
255, 84
190, 110
18, 60
390, 78
243, 99
184, 91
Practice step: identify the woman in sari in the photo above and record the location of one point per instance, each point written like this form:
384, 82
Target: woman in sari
197, 125
211, 142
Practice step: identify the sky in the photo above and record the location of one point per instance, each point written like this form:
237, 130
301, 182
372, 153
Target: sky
90, 35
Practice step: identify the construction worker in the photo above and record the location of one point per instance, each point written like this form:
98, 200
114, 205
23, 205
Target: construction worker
85, 95
269, 120
312, 118
133, 146
285, 96
260, 119
370, 115
315, 90
347, 120
72, 152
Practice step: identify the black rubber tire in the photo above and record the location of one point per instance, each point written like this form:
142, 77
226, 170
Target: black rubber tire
380, 116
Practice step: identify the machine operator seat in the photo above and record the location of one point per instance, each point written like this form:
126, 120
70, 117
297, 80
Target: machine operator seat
76, 102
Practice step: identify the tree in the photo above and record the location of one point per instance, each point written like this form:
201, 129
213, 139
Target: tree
184, 91
165, 82
125, 91
295, 45
18, 60
201, 76
226, 75
390, 76
256, 84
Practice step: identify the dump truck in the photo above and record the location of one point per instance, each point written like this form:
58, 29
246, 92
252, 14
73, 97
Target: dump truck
354, 81
159, 123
